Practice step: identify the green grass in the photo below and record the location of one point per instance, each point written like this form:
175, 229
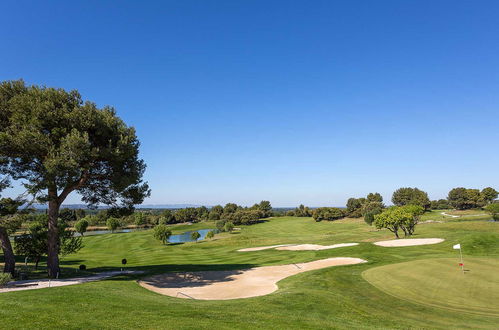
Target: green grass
441, 283
336, 297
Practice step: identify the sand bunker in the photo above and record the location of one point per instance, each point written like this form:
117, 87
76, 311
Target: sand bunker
260, 248
297, 247
233, 284
409, 242
304, 247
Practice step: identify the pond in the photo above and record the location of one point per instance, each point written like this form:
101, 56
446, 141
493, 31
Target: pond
186, 237
101, 232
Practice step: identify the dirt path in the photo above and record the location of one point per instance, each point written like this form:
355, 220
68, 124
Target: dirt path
46, 283
233, 284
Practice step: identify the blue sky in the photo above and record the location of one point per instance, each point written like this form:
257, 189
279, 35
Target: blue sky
291, 101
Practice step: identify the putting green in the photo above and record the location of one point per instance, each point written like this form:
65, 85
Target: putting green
441, 283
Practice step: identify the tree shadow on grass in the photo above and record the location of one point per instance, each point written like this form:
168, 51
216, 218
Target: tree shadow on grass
179, 275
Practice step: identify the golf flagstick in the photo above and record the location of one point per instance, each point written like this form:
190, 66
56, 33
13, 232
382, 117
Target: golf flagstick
458, 247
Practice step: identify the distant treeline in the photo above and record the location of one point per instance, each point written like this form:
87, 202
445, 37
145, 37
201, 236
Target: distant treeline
372, 204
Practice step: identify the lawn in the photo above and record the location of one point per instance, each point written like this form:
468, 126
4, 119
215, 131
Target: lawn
337, 297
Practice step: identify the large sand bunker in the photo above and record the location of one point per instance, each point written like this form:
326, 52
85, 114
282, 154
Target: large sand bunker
409, 242
297, 247
233, 284
260, 248
304, 247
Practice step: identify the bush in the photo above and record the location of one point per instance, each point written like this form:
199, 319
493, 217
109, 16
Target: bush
83, 267
493, 209
5, 278
113, 224
139, 218
92, 220
220, 225
195, 235
210, 234
229, 226
162, 233
328, 213
369, 218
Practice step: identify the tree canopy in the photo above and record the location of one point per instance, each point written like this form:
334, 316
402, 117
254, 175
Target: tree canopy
411, 196
55, 143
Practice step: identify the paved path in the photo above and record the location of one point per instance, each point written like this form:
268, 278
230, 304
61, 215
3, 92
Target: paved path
46, 283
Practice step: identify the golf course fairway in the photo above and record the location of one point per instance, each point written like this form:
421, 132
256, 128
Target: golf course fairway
440, 282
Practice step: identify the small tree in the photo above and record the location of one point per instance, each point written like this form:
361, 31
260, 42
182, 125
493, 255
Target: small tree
81, 226
229, 226
210, 234
113, 224
489, 194
33, 243
162, 233
493, 209
393, 219
140, 218
195, 235
369, 218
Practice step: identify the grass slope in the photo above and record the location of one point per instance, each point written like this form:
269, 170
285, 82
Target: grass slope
337, 297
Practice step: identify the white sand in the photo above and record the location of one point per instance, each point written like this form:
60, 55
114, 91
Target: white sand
409, 242
304, 247
260, 248
46, 283
449, 215
297, 247
233, 284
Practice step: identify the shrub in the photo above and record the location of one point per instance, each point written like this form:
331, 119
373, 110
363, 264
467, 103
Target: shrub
140, 218
92, 220
113, 224
210, 234
493, 209
220, 224
5, 278
328, 213
229, 226
195, 235
83, 267
369, 218
162, 233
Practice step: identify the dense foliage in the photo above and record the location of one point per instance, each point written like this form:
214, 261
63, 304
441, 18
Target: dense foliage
328, 213
162, 233
397, 218
493, 209
464, 198
33, 242
411, 196
55, 143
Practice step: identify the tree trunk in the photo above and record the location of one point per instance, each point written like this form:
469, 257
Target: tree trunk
10, 261
53, 239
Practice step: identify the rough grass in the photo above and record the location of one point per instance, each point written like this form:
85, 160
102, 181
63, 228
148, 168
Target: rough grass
336, 297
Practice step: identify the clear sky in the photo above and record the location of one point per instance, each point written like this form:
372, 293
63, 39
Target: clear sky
291, 101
